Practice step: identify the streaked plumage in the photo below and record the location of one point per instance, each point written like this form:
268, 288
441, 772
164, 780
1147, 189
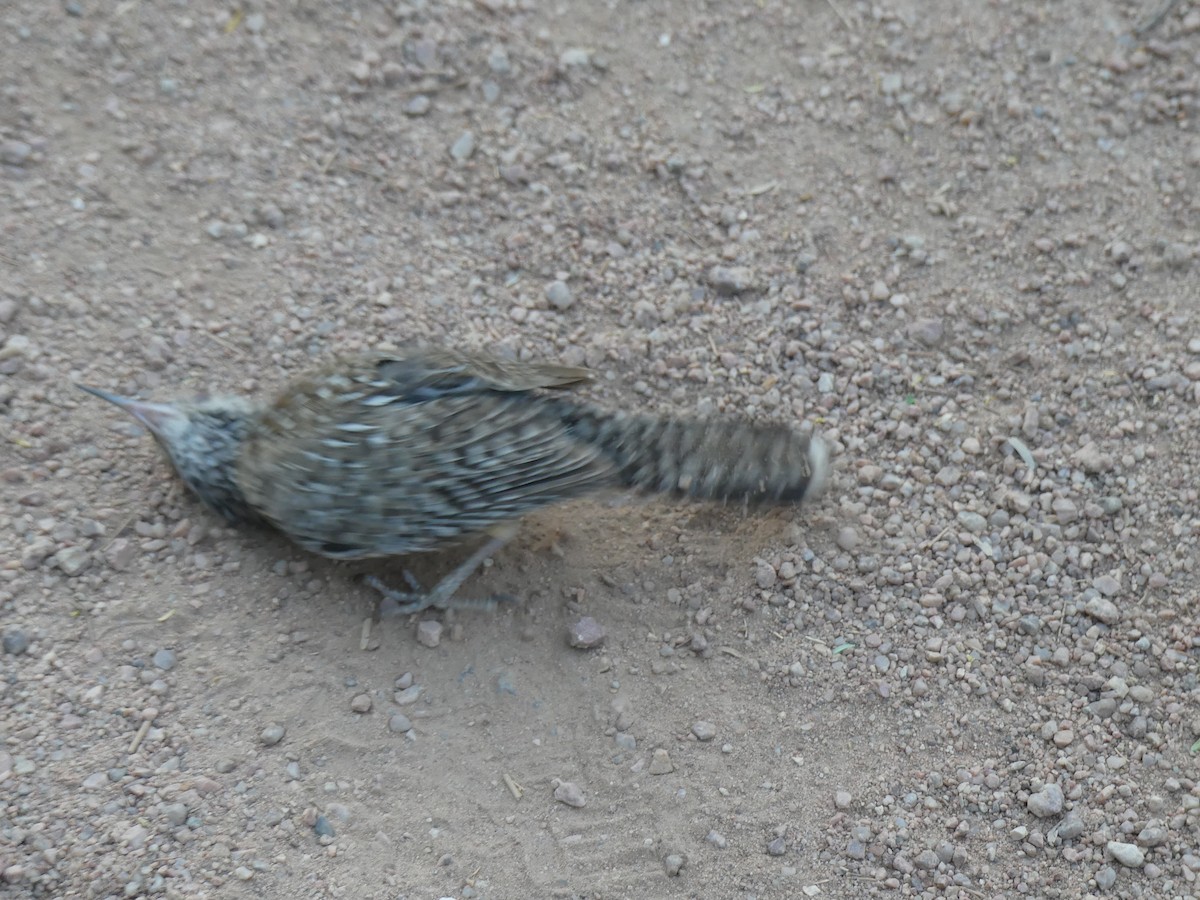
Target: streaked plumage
389, 454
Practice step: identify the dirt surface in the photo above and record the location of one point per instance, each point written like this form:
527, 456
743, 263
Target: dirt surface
959, 240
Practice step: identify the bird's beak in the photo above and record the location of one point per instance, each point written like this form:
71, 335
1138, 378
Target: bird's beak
154, 416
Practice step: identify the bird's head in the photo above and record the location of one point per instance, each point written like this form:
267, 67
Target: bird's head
202, 438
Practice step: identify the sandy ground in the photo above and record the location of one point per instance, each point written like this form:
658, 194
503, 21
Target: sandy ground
960, 240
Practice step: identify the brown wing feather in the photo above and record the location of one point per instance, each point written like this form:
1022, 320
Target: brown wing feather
388, 454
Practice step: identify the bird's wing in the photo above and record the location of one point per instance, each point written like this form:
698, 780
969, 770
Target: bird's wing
428, 372
390, 454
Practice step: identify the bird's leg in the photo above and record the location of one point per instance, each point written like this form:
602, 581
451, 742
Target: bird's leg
442, 595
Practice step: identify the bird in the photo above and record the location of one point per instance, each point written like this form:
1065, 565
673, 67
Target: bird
384, 454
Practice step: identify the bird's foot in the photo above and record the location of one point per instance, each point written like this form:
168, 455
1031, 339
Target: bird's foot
417, 599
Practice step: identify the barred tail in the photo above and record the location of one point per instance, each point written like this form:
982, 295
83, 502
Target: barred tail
719, 459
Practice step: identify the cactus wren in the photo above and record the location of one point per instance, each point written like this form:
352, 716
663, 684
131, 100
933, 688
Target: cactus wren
387, 454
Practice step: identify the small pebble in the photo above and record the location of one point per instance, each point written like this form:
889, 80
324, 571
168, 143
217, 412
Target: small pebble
463, 148
15, 153
586, 634
419, 106
704, 731
15, 641
559, 295
1102, 610
568, 792
175, 813
272, 735
72, 561
847, 538
429, 632
399, 723
1046, 802
164, 659
322, 827
730, 281
1130, 855
361, 703
660, 762
673, 864
574, 57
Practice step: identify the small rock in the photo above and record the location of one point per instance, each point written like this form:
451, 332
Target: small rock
765, 576
574, 57
716, 839
928, 331
135, 837
429, 632
825, 383
660, 762
361, 703
777, 847
704, 731
1046, 802
272, 735
463, 148
948, 476
1106, 878
16, 641
972, 521
120, 553
409, 695
1152, 836
586, 634
568, 792
1107, 585
1090, 459
847, 538
164, 659
1102, 610
419, 106
1071, 827
731, 280
926, 860
175, 813
842, 800
399, 723
72, 560
1065, 511
673, 864
559, 295
15, 153
1130, 855
95, 781
322, 827
499, 62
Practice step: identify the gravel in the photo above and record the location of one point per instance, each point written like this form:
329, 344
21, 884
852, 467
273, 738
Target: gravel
972, 272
